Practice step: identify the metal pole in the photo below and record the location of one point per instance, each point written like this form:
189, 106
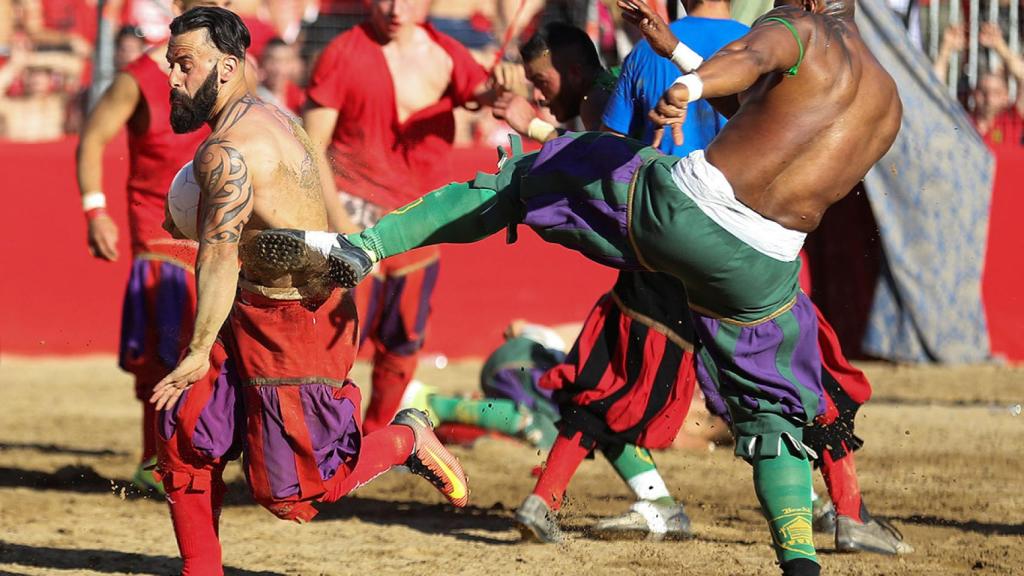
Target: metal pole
934, 32
993, 16
972, 43
954, 59
1014, 41
102, 56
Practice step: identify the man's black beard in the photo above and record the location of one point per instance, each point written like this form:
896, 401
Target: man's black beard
189, 114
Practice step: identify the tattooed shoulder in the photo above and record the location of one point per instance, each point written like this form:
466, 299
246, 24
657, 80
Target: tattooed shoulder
227, 193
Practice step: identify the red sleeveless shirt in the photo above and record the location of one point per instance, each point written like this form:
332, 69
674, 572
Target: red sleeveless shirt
155, 155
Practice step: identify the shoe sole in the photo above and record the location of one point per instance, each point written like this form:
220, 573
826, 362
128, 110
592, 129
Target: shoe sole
528, 533
638, 534
288, 254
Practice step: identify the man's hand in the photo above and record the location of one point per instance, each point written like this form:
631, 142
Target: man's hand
670, 111
515, 110
103, 238
194, 366
509, 77
954, 38
651, 26
991, 36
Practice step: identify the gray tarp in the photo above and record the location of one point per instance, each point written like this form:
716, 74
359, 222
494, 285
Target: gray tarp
930, 195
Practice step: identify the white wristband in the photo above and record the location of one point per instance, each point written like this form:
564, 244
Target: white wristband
685, 59
93, 200
694, 86
540, 130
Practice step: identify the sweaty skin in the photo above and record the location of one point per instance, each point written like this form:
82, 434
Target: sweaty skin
795, 145
256, 170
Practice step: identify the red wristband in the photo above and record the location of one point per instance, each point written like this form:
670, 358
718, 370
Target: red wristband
95, 213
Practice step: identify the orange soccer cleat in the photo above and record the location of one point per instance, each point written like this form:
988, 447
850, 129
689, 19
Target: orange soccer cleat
431, 460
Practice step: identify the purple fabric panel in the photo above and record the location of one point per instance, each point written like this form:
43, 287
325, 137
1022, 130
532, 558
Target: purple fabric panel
806, 363
372, 308
757, 349
215, 430
171, 295
133, 313
278, 456
507, 384
588, 158
585, 214
332, 427
390, 331
426, 294
712, 396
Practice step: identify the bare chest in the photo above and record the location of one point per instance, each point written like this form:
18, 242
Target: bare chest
420, 76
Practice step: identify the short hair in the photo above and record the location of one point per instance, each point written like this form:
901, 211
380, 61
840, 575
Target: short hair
559, 38
223, 27
129, 31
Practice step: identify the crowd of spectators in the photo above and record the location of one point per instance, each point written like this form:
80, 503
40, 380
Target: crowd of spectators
47, 54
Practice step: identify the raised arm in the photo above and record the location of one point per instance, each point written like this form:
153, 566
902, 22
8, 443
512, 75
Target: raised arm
106, 119
318, 122
225, 206
991, 37
768, 47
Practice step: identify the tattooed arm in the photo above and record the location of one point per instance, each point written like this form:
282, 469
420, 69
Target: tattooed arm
225, 206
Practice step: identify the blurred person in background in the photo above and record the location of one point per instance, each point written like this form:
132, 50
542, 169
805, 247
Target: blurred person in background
380, 107
129, 45
999, 120
280, 70
60, 24
48, 82
160, 299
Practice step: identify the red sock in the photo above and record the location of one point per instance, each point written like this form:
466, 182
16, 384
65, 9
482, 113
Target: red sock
391, 374
563, 460
380, 451
196, 516
841, 480
148, 431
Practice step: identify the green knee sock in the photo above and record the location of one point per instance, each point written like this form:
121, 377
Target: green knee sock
493, 414
783, 486
458, 213
636, 466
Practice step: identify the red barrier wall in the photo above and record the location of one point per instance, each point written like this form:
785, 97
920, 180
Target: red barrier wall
56, 299
1001, 283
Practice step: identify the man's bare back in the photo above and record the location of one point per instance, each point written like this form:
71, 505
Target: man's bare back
796, 144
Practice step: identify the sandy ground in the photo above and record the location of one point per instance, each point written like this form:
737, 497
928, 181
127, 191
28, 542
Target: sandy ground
942, 461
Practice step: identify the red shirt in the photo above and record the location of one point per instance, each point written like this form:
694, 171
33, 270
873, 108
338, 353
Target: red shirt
1007, 130
260, 32
155, 156
375, 156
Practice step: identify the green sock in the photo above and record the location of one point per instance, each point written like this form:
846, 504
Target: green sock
636, 466
783, 486
493, 414
458, 213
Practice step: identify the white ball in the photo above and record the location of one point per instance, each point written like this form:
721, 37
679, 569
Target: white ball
183, 202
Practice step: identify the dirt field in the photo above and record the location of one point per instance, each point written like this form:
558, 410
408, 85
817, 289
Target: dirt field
942, 461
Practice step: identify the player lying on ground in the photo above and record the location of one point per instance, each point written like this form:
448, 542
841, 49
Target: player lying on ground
267, 365
811, 110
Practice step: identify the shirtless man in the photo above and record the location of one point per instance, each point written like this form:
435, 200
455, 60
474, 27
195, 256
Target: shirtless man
811, 111
381, 101
285, 343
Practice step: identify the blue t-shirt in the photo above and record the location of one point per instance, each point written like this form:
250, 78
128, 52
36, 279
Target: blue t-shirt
646, 76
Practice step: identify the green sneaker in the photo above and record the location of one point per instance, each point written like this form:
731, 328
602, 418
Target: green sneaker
145, 480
